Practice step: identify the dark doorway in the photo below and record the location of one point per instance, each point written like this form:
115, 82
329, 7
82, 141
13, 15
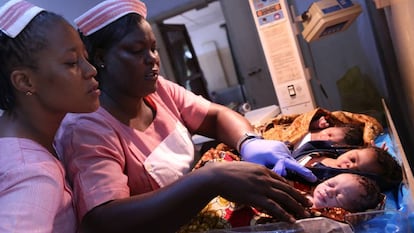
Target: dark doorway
184, 61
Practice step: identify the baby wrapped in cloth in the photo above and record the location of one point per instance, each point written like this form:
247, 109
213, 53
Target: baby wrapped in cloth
293, 128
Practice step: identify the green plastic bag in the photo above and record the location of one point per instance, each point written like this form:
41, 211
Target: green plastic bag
358, 94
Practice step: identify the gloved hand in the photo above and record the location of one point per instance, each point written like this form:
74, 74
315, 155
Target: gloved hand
274, 155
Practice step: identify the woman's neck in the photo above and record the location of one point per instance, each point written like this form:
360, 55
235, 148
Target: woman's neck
134, 113
40, 128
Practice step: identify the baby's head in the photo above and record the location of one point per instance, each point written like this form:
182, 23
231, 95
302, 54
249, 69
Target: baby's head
354, 193
371, 159
342, 135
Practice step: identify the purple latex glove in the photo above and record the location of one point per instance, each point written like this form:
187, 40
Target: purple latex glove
274, 155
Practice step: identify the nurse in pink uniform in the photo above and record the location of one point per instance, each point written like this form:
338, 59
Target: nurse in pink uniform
129, 162
44, 74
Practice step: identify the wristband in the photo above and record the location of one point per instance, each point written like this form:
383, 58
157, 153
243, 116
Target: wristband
245, 137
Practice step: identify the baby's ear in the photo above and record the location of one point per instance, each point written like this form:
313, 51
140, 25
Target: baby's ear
22, 81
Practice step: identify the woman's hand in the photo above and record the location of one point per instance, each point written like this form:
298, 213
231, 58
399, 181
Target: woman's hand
274, 155
257, 186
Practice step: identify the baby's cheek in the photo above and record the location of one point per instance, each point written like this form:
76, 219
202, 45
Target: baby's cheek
326, 202
317, 203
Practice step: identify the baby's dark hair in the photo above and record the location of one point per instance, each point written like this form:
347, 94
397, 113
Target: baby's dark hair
370, 199
391, 169
22, 51
353, 134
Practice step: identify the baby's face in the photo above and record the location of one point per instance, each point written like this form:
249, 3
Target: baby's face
334, 134
364, 160
342, 191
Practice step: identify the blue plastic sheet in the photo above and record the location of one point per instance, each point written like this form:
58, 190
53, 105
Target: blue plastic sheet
398, 215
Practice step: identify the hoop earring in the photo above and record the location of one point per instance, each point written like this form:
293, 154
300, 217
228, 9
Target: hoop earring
29, 93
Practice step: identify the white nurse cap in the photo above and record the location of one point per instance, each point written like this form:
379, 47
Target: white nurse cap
107, 12
15, 15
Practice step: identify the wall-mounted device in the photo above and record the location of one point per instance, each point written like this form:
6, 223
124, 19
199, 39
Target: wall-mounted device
278, 36
278, 32
326, 17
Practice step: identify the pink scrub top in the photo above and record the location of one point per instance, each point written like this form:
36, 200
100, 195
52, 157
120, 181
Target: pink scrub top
34, 195
107, 160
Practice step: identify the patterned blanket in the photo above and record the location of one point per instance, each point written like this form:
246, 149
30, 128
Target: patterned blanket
223, 214
294, 127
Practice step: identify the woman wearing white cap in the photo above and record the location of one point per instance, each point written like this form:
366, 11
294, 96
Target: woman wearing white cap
44, 74
129, 162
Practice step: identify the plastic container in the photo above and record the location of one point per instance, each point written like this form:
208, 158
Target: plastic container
310, 225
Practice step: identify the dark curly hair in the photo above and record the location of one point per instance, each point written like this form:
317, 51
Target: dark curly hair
22, 51
372, 196
391, 169
353, 134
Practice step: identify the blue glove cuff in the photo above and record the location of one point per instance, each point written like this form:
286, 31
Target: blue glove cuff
245, 137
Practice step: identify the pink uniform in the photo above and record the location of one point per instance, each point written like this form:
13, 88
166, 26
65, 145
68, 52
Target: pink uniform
34, 196
108, 160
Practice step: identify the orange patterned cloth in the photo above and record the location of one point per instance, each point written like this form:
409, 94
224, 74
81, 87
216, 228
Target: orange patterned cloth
294, 127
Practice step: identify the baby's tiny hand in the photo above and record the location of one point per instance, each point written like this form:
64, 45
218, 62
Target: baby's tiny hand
321, 123
383, 146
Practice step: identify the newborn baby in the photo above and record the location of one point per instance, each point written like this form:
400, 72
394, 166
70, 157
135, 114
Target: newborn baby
351, 192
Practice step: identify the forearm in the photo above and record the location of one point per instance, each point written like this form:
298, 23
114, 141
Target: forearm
164, 210
225, 125
169, 208
232, 127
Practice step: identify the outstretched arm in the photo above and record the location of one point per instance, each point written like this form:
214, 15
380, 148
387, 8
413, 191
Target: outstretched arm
230, 127
166, 209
